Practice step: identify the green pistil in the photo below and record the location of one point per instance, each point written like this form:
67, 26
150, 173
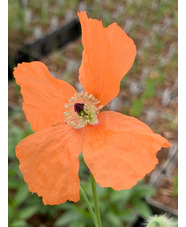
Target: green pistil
87, 116
83, 113
90, 118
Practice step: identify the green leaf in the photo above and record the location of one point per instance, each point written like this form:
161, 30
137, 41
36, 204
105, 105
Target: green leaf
161, 77
175, 223
175, 185
128, 215
13, 168
67, 218
46, 210
137, 107
65, 206
142, 208
13, 183
143, 190
11, 212
22, 194
27, 212
15, 135
80, 224
19, 223
122, 196
150, 88
81, 210
113, 219
28, 130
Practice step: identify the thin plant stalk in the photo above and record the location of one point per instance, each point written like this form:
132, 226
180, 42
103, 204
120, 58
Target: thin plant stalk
83, 195
95, 198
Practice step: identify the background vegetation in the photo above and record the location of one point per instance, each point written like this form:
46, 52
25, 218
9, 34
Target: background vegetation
148, 92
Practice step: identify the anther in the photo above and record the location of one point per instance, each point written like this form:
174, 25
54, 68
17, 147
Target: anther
82, 110
79, 107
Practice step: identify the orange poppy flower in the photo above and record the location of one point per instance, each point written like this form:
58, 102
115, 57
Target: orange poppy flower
119, 150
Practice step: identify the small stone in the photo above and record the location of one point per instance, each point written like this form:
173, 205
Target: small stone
134, 88
120, 9
144, 75
174, 92
164, 61
69, 15
129, 1
147, 41
167, 23
154, 5
82, 6
61, 3
54, 23
166, 97
173, 151
115, 103
157, 27
175, 86
24, 3
171, 53
72, 65
128, 25
37, 32
28, 16
151, 115
169, 135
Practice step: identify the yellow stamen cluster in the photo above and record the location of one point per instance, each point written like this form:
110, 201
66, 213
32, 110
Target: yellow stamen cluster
90, 108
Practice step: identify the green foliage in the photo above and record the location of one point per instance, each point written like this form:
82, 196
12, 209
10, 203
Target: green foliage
161, 221
19, 223
137, 107
44, 12
68, 217
149, 88
28, 212
175, 185
15, 132
175, 223
123, 80
161, 78
142, 208
116, 206
79, 50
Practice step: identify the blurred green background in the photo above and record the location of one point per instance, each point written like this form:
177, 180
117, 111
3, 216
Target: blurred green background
148, 92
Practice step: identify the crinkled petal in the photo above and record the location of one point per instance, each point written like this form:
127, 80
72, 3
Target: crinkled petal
108, 55
49, 163
120, 150
44, 96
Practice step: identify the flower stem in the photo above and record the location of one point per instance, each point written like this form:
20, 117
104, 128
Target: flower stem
95, 198
83, 195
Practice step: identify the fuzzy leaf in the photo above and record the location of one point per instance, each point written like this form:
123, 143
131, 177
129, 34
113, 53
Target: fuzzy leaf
142, 208
27, 212
67, 218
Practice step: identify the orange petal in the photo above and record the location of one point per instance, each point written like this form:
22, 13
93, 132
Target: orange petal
44, 96
108, 55
120, 150
49, 163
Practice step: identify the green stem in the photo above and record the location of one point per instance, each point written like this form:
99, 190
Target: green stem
95, 198
83, 195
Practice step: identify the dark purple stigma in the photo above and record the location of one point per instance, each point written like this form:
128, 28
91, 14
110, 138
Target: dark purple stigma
78, 107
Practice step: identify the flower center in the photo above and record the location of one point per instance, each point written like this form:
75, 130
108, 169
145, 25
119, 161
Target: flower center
79, 107
82, 110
